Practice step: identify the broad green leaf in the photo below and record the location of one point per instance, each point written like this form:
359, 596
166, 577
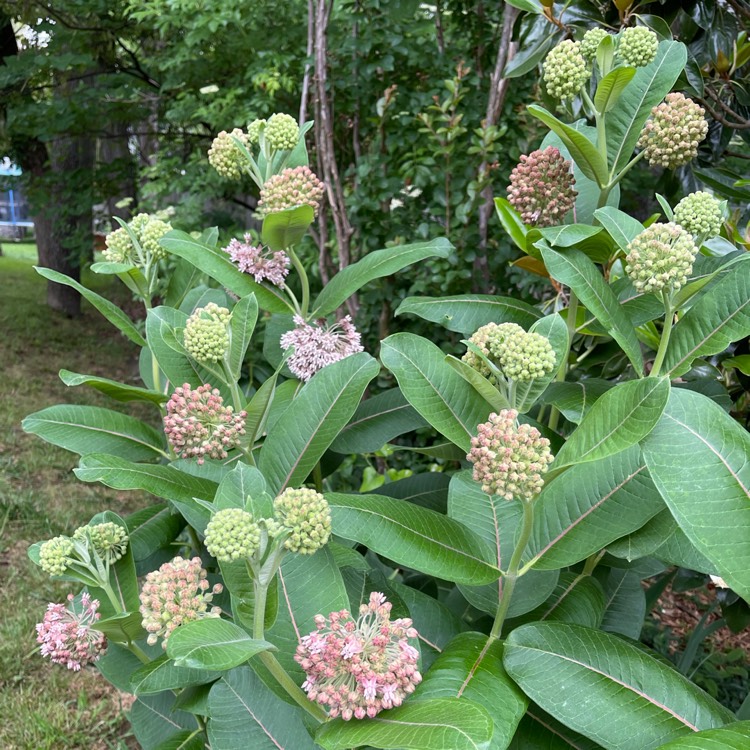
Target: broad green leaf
698, 458
433, 388
429, 489
471, 668
217, 265
241, 327
375, 265
202, 296
479, 383
152, 528
574, 399
213, 644
187, 739
164, 674
108, 309
583, 151
589, 505
610, 88
533, 6
113, 389
647, 89
259, 406
284, 229
621, 417
568, 235
540, 731
512, 223
244, 487
122, 628
414, 537
632, 700
574, 269
720, 317
155, 720
437, 724
734, 736
117, 664
89, 429
496, 522
296, 442
625, 604
468, 312
182, 280
376, 422
622, 227
246, 715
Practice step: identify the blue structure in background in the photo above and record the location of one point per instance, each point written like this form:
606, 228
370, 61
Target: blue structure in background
14, 211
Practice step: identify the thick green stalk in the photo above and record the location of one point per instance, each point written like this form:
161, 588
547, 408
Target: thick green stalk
665, 334
570, 322
300, 269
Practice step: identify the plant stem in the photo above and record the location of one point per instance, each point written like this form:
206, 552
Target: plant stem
259, 613
291, 687
512, 574
570, 322
665, 334
138, 651
318, 477
300, 269
591, 562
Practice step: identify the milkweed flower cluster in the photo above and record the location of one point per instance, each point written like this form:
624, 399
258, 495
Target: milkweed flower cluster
590, 43
56, 554
110, 540
306, 515
542, 187
700, 214
226, 157
357, 668
67, 634
253, 131
509, 459
292, 187
672, 136
317, 345
174, 595
282, 132
148, 230
198, 425
260, 262
638, 46
565, 70
660, 257
232, 534
206, 335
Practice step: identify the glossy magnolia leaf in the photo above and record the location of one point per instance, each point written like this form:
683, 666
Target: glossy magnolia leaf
375, 265
625, 605
241, 327
540, 731
284, 229
218, 266
113, 389
468, 312
212, 643
108, 309
155, 720
469, 668
731, 737
631, 699
164, 674
512, 222
622, 227
245, 714
413, 536
610, 88
89, 429
574, 269
437, 724
376, 422
590, 505
720, 317
574, 399
648, 87
622, 417
583, 151
698, 458
302, 434
434, 388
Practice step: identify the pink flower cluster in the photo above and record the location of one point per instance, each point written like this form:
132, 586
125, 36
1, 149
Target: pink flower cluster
198, 424
176, 594
357, 668
67, 636
318, 345
291, 188
261, 262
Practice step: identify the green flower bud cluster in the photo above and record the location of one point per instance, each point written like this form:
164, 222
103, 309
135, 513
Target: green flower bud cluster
56, 554
565, 70
660, 258
148, 230
206, 336
253, 131
590, 43
305, 514
110, 540
232, 534
119, 246
700, 214
638, 46
225, 156
672, 136
282, 132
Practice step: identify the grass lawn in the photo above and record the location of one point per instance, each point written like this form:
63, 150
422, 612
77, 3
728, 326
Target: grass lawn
44, 705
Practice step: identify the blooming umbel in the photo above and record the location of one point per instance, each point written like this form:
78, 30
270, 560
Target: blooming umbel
232, 534
289, 189
541, 187
591, 41
305, 514
66, 634
638, 46
357, 668
198, 424
55, 555
226, 157
174, 595
509, 459
282, 132
206, 336
110, 540
700, 214
565, 70
672, 136
660, 258
317, 345
261, 262
148, 230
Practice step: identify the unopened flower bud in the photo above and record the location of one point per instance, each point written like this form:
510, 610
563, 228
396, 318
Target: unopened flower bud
289, 189
110, 540
700, 214
282, 132
119, 247
153, 230
526, 356
55, 554
224, 155
590, 43
638, 46
232, 534
489, 340
253, 131
307, 517
565, 70
206, 337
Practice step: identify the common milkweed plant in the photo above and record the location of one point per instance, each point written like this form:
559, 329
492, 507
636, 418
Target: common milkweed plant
586, 445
